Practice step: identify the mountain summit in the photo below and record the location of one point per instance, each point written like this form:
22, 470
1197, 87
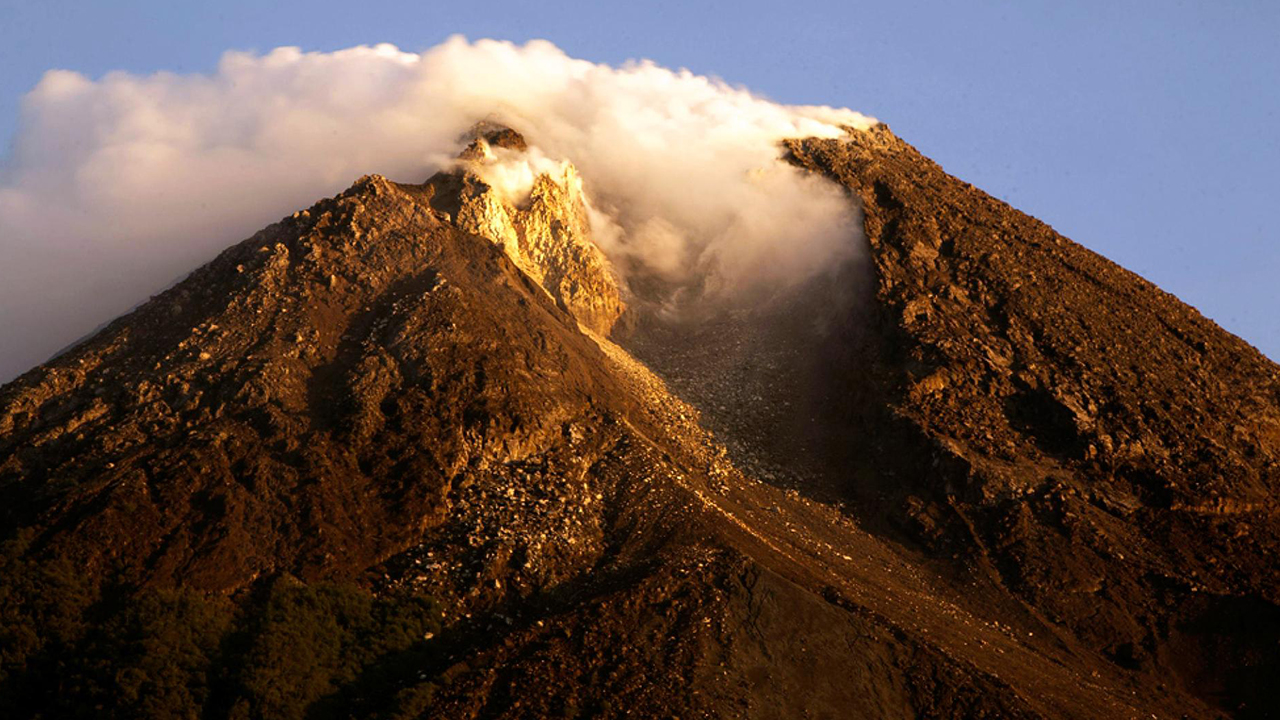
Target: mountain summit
396, 456
548, 236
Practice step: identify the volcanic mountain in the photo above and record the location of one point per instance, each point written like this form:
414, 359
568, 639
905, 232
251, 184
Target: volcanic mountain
415, 452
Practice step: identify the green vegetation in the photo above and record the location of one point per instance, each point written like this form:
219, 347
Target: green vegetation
157, 655
320, 651
42, 613
291, 651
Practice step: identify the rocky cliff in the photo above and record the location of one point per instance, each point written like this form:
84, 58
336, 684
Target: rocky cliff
546, 234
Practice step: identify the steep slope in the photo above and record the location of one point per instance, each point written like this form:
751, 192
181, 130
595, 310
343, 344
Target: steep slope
379, 461
310, 395
1103, 450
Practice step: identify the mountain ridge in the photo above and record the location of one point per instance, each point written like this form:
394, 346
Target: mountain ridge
1042, 370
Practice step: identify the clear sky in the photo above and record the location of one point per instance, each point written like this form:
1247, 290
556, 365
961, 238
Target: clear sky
1145, 130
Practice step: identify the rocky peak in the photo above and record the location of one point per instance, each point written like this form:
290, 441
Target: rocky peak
486, 135
547, 234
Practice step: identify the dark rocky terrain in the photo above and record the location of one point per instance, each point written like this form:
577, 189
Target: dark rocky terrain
1100, 449
380, 460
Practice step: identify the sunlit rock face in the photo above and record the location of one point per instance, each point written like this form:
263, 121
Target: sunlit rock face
537, 213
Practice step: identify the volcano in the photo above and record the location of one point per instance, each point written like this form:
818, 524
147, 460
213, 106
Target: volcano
417, 451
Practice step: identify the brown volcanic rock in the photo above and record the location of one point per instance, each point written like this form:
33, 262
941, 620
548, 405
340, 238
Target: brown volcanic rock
1111, 455
305, 403
371, 392
365, 393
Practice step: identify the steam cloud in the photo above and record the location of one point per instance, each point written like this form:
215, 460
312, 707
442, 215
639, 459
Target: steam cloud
115, 188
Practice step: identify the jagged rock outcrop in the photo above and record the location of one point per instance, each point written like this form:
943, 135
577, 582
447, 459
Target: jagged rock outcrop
547, 234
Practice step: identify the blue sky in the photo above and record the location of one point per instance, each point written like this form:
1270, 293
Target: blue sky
1145, 130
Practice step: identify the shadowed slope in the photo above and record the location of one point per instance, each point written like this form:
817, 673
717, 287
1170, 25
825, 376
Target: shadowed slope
1110, 455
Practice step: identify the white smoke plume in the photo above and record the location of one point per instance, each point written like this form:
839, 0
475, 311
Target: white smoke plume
116, 187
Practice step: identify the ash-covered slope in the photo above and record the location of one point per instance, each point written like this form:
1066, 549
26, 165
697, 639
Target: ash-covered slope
378, 461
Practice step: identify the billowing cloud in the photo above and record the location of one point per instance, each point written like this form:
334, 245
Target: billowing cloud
116, 187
